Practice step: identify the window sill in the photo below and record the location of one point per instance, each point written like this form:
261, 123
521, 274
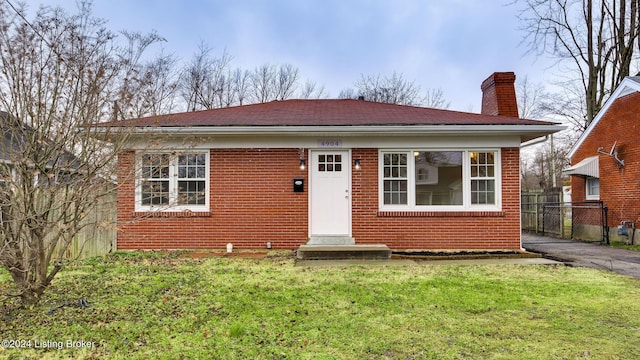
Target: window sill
171, 214
441, 214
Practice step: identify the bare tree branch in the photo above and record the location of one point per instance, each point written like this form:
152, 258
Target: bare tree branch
594, 39
286, 82
59, 75
394, 89
310, 90
203, 80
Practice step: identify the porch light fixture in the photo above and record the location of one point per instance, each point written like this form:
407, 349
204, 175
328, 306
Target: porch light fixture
356, 164
303, 162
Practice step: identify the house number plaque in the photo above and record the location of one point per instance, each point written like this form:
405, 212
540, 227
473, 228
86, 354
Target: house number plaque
330, 143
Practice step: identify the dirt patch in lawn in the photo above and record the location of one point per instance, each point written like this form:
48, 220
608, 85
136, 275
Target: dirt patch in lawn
208, 254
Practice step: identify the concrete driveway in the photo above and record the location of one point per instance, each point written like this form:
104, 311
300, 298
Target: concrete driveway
575, 253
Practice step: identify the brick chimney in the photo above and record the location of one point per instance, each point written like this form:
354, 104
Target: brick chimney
499, 95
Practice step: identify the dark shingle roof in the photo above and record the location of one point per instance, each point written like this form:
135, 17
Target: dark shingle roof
323, 112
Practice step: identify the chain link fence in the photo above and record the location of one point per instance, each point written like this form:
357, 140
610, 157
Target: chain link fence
586, 221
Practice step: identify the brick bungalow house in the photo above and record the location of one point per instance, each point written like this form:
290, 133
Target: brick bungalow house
291, 172
605, 162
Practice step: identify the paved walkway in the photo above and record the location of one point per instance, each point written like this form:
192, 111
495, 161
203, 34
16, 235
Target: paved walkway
575, 253
409, 262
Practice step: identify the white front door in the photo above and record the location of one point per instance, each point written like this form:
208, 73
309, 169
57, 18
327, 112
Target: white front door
330, 199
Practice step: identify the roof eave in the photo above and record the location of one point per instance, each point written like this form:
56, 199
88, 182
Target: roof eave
527, 132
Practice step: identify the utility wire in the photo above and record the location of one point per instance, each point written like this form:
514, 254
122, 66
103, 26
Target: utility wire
29, 24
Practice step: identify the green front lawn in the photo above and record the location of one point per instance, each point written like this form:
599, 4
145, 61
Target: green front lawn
164, 306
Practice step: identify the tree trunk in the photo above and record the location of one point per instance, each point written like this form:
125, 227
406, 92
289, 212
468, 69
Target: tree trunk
592, 77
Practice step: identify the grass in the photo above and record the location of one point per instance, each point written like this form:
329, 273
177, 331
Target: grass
621, 245
152, 305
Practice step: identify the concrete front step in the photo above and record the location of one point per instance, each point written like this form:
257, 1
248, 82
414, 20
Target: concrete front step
342, 252
331, 240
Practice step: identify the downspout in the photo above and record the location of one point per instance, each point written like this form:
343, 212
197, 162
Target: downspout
554, 181
522, 146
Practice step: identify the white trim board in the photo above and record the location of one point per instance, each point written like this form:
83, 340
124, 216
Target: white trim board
311, 142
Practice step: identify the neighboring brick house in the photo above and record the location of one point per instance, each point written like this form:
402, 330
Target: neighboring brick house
285, 173
606, 159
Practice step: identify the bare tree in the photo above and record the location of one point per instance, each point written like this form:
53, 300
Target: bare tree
285, 82
262, 80
241, 85
208, 82
566, 105
310, 90
307, 89
131, 100
348, 93
227, 94
153, 89
194, 77
59, 76
595, 40
394, 89
541, 164
160, 82
532, 99
544, 164
203, 80
434, 98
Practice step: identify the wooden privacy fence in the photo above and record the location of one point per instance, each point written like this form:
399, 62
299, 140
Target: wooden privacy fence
98, 238
99, 235
531, 204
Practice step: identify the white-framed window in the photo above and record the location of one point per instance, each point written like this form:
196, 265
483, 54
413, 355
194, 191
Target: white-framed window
445, 180
483, 177
172, 181
395, 180
592, 190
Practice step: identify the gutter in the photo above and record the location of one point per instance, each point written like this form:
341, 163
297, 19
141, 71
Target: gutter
534, 142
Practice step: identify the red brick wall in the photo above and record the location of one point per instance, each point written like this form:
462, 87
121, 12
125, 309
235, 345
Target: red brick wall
252, 202
435, 230
619, 186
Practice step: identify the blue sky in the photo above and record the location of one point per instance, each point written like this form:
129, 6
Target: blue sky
452, 44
